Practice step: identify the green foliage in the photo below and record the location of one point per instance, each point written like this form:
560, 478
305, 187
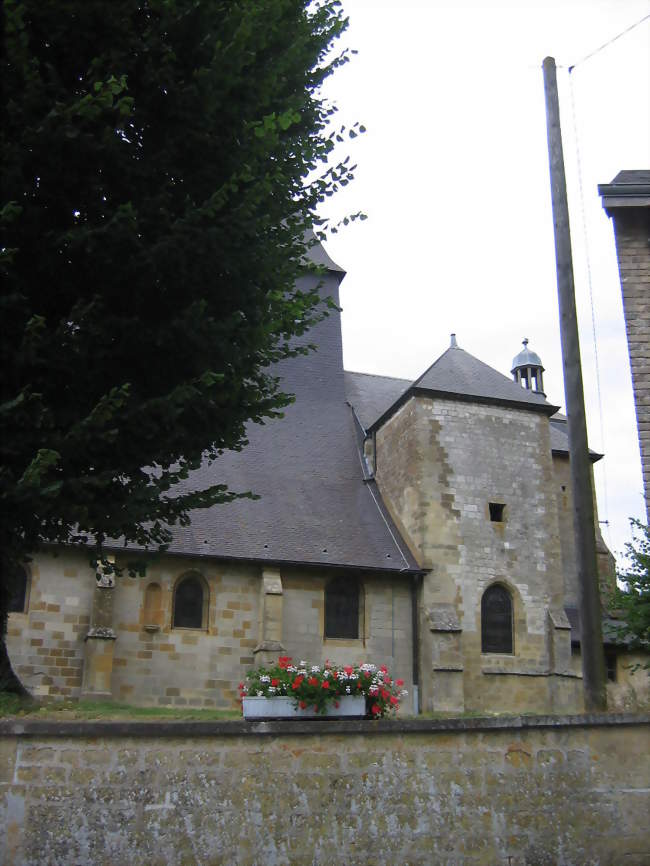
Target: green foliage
632, 603
162, 163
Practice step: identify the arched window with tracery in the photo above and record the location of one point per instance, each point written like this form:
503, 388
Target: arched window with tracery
190, 602
496, 620
342, 608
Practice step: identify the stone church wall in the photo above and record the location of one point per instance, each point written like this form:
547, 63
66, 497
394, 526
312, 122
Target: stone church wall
155, 664
440, 463
46, 644
385, 628
472, 792
606, 562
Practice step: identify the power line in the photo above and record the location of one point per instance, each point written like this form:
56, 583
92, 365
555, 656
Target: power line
610, 41
585, 234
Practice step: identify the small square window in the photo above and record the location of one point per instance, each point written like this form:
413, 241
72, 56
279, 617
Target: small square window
497, 512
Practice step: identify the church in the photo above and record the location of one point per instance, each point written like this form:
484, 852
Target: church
423, 525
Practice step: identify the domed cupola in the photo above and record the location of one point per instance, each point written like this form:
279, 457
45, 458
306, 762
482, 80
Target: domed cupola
527, 369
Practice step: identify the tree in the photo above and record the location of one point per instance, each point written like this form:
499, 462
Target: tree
162, 163
632, 603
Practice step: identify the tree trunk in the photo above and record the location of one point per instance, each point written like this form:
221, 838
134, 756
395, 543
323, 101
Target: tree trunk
9, 681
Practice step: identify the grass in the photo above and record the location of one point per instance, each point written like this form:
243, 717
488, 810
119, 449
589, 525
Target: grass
12, 706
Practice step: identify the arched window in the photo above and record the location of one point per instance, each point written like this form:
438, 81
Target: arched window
496, 620
190, 603
342, 608
17, 584
153, 607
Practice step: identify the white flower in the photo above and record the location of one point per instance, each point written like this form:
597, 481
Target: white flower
303, 671
272, 689
260, 694
302, 663
292, 669
315, 669
347, 690
265, 679
327, 673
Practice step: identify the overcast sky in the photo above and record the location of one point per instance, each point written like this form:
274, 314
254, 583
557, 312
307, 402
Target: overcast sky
453, 175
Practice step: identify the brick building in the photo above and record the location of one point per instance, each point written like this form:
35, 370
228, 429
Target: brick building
627, 201
424, 525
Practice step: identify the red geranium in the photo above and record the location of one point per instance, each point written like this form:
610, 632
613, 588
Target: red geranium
325, 685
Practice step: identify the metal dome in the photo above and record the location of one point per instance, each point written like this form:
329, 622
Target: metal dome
526, 358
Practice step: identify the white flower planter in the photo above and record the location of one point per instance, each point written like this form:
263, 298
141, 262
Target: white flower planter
350, 706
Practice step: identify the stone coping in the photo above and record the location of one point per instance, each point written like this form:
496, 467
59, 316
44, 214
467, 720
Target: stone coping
284, 728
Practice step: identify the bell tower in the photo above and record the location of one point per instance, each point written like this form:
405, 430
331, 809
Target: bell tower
527, 369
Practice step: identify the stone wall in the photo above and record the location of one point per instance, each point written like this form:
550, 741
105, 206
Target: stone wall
632, 230
46, 644
156, 664
475, 792
440, 463
606, 561
385, 636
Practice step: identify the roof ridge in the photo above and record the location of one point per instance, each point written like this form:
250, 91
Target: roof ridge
439, 358
377, 375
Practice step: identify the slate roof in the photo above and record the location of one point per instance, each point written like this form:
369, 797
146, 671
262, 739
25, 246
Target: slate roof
372, 395
317, 505
560, 437
459, 373
609, 624
456, 374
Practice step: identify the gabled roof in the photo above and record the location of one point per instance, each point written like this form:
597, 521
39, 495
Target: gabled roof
458, 375
457, 372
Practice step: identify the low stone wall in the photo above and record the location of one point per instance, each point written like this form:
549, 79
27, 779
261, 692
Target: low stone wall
527, 790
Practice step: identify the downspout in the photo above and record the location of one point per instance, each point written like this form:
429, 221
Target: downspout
415, 629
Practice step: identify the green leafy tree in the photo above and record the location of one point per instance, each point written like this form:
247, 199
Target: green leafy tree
162, 164
632, 602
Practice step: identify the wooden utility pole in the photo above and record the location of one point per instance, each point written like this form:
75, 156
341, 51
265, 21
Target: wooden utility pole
591, 632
